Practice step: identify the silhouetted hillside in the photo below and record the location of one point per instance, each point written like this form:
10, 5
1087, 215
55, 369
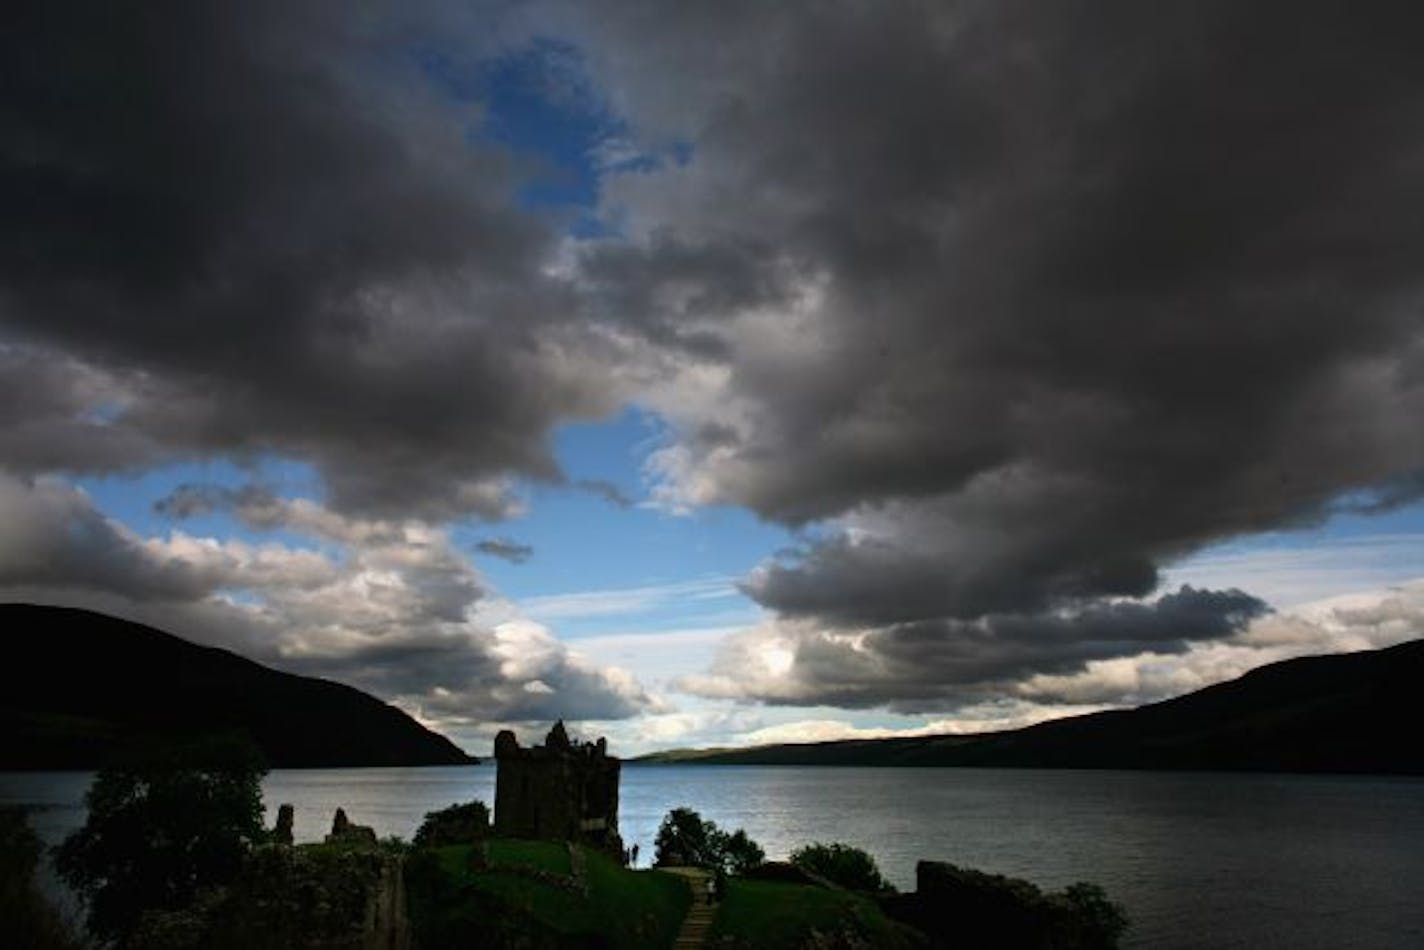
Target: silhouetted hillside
75, 684
1344, 713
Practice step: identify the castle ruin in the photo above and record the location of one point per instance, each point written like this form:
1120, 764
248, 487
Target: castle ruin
560, 791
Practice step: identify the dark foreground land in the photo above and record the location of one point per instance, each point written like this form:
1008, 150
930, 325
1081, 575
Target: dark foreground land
1313, 714
507, 893
86, 684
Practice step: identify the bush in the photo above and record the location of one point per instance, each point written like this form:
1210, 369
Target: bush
685, 838
162, 828
842, 864
458, 824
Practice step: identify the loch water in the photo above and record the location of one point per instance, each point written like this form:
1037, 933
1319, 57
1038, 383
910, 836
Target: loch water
1198, 859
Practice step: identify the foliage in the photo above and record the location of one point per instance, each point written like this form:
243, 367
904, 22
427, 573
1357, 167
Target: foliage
161, 828
393, 844
775, 914
458, 824
26, 918
20, 847
961, 905
1094, 919
684, 837
842, 864
739, 853
313, 895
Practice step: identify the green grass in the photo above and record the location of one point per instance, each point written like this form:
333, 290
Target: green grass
776, 914
544, 855
646, 906
558, 909
455, 905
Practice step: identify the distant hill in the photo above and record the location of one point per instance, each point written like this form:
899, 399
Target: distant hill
75, 684
1352, 712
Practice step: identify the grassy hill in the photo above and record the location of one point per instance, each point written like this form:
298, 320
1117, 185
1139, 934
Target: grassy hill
75, 684
528, 893
1342, 713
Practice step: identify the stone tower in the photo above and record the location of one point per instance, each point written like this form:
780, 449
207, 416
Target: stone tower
561, 791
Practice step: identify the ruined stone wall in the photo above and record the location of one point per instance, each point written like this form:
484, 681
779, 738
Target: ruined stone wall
560, 791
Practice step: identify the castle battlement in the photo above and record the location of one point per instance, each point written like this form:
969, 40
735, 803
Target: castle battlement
562, 790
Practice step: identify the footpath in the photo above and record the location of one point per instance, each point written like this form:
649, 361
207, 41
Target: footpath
693, 935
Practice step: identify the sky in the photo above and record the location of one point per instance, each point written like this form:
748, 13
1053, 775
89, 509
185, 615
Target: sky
719, 373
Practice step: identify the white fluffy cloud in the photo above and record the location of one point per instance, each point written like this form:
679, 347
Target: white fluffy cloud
800, 663
389, 606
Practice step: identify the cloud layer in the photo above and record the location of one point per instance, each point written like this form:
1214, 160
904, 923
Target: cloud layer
927, 666
391, 607
1016, 305
1124, 281
1006, 306
268, 230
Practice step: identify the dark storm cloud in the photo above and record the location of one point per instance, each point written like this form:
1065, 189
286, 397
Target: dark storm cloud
1074, 289
55, 413
668, 289
506, 548
934, 665
1017, 543
53, 537
277, 235
1010, 304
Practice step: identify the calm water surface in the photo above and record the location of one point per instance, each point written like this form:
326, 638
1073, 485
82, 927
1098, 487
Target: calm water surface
1199, 859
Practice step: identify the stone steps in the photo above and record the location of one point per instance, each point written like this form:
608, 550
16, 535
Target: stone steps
698, 922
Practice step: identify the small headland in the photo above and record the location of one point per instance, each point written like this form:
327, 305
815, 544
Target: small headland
175, 856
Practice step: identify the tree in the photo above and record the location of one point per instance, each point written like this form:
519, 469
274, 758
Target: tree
161, 828
685, 838
739, 853
841, 864
1093, 919
458, 824
26, 918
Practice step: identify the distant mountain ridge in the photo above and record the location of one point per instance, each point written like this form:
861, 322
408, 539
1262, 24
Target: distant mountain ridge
75, 684
1351, 712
